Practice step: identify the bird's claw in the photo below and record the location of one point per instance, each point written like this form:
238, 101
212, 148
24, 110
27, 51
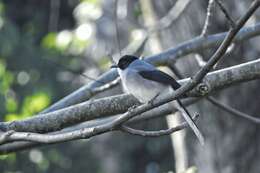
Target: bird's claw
151, 102
132, 108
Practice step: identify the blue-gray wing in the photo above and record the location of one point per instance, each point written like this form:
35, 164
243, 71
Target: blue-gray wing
159, 76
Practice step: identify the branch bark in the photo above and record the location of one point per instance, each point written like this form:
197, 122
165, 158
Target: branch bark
113, 105
213, 81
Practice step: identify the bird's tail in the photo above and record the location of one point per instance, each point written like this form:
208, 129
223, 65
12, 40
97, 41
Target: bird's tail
186, 115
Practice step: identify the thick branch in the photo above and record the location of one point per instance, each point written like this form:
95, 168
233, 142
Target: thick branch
155, 113
118, 104
213, 81
79, 134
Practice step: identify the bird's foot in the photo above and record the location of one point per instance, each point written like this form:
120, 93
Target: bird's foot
151, 102
132, 108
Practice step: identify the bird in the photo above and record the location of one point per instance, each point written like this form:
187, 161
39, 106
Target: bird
145, 82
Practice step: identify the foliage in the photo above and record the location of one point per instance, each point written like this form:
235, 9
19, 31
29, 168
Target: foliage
28, 81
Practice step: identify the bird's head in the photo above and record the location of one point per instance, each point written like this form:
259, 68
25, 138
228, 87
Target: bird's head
125, 61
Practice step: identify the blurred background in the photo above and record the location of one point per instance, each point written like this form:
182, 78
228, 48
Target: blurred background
46, 45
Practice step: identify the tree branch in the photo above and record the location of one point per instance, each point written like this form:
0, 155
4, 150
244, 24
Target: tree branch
233, 111
225, 44
79, 134
173, 14
156, 133
223, 9
155, 113
208, 18
118, 104
212, 82
191, 46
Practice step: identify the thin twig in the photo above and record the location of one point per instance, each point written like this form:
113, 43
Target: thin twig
233, 111
199, 59
208, 18
156, 133
173, 14
164, 23
116, 27
225, 44
223, 9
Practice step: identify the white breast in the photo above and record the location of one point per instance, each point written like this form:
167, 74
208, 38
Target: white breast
144, 90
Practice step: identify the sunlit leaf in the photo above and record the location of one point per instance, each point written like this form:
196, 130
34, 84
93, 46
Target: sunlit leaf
49, 41
84, 31
87, 10
78, 46
8, 157
192, 169
3, 157
11, 105
2, 68
90, 1
104, 63
12, 117
35, 103
7, 80
2, 8
63, 40
44, 165
137, 11
54, 156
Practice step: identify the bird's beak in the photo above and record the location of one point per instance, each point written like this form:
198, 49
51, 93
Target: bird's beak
113, 66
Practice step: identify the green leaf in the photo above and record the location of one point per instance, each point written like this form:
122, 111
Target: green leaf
13, 117
7, 80
8, 157
2, 8
49, 41
192, 169
35, 103
11, 105
2, 68
90, 1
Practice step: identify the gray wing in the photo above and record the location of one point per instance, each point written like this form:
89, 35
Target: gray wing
159, 76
